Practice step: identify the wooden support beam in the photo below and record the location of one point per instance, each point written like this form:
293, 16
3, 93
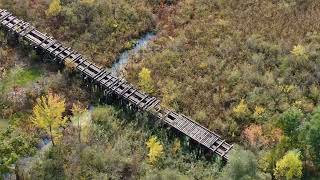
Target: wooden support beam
83, 60
134, 90
5, 16
120, 84
150, 101
57, 55
12, 18
155, 103
165, 116
68, 54
76, 58
14, 25
46, 38
52, 42
18, 25
101, 73
27, 31
113, 83
24, 27
227, 150
217, 147
126, 90
103, 76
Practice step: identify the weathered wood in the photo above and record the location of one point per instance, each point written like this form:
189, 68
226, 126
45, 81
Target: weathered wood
110, 84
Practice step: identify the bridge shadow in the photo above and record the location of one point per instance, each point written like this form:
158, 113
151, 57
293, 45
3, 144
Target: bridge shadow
127, 113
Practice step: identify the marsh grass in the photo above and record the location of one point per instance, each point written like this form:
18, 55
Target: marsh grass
19, 77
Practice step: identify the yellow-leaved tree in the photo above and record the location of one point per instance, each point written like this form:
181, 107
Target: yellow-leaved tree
145, 80
54, 8
289, 167
241, 109
47, 115
155, 149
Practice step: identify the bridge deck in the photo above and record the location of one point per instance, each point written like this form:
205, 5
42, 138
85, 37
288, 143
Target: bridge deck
114, 85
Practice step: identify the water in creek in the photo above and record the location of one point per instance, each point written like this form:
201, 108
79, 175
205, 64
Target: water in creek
125, 56
122, 61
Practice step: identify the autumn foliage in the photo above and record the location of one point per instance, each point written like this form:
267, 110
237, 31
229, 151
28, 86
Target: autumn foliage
155, 150
47, 115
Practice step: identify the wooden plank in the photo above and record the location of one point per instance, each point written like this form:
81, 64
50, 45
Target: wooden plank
5, 16
102, 72
15, 24
24, 27
7, 20
106, 81
165, 116
153, 105
51, 43
10, 18
27, 31
217, 147
126, 90
38, 35
59, 52
32, 39
81, 60
113, 83
87, 65
185, 126
193, 133
134, 90
46, 38
19, 25
146, 96
120, 84
76, 57
191, 128
227, 150
133, 98
67, 54
206, 139
213, 139
151, 99
179, 123
89, 73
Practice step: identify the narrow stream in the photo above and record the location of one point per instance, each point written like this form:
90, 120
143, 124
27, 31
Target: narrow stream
124, 57
122, 61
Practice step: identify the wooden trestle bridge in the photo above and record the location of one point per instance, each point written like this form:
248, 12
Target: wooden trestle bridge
112, 85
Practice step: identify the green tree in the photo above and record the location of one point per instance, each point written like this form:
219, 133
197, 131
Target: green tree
54, 8
290, 121
145, 80
13, 145
242, 165
289, 167
313, 134
47, 114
